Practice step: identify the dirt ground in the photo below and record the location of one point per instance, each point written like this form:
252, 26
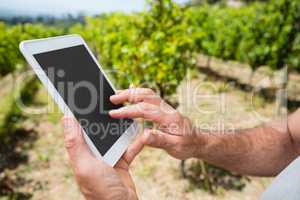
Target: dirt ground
46, 174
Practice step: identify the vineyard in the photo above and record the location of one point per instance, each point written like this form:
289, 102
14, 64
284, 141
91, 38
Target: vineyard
166, 38
156, 48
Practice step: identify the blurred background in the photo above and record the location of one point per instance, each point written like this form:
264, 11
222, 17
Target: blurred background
225, 64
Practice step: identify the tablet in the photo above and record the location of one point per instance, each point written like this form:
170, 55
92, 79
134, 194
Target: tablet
77, 83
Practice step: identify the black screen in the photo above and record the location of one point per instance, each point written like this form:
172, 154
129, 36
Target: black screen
86, 91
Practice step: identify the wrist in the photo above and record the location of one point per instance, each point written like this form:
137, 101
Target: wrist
200, 142
197, 139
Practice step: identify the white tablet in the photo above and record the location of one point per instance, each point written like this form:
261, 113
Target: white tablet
79, 86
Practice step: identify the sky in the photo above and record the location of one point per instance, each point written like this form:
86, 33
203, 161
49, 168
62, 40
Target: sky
60, 7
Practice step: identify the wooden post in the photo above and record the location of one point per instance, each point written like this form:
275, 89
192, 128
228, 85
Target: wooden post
281, 96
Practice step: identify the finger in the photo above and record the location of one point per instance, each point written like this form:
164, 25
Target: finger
136, 95
134, 149
129, 95
119, 91
75, 144
140, 110
159, 139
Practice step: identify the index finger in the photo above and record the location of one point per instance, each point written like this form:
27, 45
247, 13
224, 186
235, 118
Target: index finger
136, 95
140, 110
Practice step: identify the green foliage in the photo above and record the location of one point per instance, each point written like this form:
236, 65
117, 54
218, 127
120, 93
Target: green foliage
10, 111
156, 47
219, 29
9, 56
11, 36
152, 49
257, 34
271, 35
293, 58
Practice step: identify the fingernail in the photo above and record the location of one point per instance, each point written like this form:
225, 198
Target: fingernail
113, 112
111, 97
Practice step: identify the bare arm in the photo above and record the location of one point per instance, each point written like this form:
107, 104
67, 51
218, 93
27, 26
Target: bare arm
262, 151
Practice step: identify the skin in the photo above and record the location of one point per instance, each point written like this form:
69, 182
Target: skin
261, 151
96, 179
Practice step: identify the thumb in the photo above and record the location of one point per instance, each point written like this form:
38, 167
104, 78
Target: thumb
74, 142
159, 139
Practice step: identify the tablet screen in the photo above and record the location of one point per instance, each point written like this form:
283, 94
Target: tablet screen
86, 91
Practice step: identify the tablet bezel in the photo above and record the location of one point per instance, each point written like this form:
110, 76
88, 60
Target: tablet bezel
31, 47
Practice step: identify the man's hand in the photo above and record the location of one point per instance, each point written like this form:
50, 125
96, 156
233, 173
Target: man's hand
173, 132
260, 151
96, 179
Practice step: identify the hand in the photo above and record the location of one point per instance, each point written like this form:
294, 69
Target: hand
174, 132
96, 179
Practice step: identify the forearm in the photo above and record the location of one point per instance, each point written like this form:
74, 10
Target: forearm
262, 151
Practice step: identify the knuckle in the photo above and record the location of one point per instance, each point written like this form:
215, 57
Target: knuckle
143, 111
149, 109
82, 172
131, 92
144, 107
131, 98
133, 95
177, 116
136, 98
162, 142
70, 141
149, 91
